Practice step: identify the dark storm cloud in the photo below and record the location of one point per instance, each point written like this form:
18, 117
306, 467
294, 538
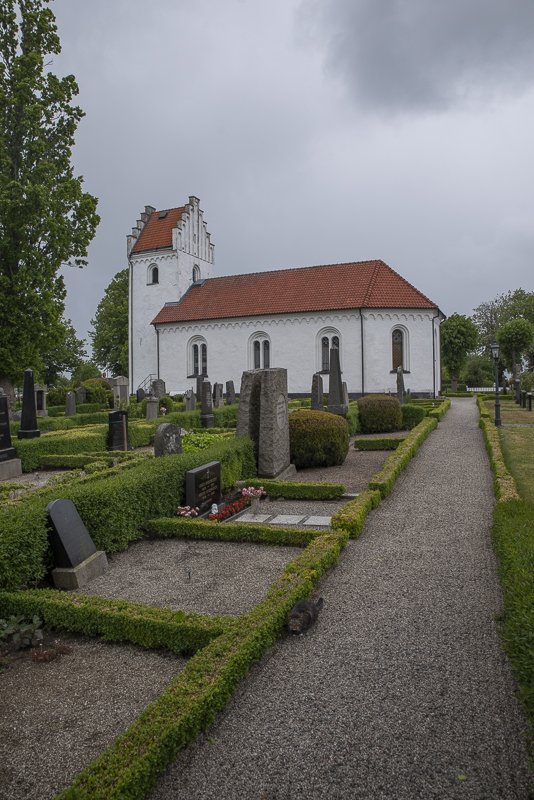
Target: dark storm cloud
425, 55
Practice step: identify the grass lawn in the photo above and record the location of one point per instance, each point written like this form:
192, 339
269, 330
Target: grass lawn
510, 412
518, 450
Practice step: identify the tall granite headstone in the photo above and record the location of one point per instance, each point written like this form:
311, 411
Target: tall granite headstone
190, 400
230, 393
167, 440
76, 557
207, 420
10, 465
335, 386
152, 404
200, 380
158, 388
263, 415
70, 404
118, 430
81, 391
345, 393
401, 393
40, 400
317, 396
217, 395
28, 420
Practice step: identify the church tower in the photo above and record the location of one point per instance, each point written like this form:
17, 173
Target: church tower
168, 251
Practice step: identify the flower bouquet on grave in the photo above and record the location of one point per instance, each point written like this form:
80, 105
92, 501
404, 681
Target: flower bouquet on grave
254, 496
229, 511
187, 511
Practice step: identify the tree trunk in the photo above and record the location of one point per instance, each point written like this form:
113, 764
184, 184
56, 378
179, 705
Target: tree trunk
7, 385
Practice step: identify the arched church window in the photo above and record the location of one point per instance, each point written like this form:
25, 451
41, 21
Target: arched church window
257, 355
266, 354
335, 342
204, 352
154, 275
397, 348
325, 350
196, 273
195, 359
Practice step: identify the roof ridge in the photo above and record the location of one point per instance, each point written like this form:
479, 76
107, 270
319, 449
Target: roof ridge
294, 269
371, 283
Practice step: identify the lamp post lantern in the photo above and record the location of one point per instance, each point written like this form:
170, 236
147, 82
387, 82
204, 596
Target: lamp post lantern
495, 353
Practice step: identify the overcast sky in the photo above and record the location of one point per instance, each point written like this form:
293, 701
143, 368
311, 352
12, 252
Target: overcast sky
313, 132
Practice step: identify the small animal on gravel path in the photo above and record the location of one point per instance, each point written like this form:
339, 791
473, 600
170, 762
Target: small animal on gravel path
302, 615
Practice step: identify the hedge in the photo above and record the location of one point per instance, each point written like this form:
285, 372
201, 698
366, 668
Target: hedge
81, 460
130, 767
353, 419
117, 620
113, 505
299, 490
458, 394
503, 483
401, 457
64, 442
351, 517
230, 531
384, 443
437, 413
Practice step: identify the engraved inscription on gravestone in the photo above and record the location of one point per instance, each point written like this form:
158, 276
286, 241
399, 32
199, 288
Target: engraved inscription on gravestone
281, 411
203, 486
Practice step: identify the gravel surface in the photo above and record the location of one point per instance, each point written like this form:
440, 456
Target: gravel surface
401, 689
226, 578
355, 472
57, 717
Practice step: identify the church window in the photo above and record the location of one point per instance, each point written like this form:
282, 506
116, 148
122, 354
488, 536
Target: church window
266, 351
257, 354
204, 351
154, 275
196, 273
195, 359
397, 348
325, 350
326, 340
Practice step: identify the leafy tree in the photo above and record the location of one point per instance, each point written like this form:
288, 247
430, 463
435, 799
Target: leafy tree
67, 356
479, 371
84, 372
110, 335
490, 317
46, 219
515, 337
459, 336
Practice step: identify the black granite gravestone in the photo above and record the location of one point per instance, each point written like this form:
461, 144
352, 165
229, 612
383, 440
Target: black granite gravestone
118, 430
70, 540
28, 421
7, 452
203, 486
140, 395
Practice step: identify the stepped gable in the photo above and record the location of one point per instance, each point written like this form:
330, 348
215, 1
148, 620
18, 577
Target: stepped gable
157, 233
363, 284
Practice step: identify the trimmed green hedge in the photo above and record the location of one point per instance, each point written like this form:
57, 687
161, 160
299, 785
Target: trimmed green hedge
64, 442
437, 413
458, 394
384, 443
80, 461
353, 419
81, 408
379, 413
317, 439
412, 415
117, 620
351, 517
131, 766
231, 531
503, 483
401, 457
112, 504
299, 490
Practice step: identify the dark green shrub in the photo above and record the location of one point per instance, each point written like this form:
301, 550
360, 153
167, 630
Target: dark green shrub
167, 403
412, 416
58, 397
97, 390
353, 419
317, 439
379, 412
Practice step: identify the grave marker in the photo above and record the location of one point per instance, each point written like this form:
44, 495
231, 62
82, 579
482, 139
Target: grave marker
152, 404
70, 404
207, 420
10, 465
75, 555
118, 430
203, 486
158, 388
317, 395
140, 395
81, 391
190, 400
28, 420
335, 386
230, 393
40, 400
401, 394
167, 440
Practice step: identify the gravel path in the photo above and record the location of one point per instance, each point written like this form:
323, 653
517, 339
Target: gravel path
401, 687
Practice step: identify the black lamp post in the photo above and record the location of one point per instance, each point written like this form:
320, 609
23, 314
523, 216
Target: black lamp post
495, 353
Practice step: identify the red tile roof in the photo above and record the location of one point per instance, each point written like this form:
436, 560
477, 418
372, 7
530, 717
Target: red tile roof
368, 284
158, 232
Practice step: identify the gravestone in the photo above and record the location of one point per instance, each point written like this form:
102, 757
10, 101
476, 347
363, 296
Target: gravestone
200, 380
40, 400
158, 388
263, 415
217, 395
345, 395
190, 400
140, 395
523, 398
17, 416
230, 393
81, 391
70, 404
28, 420
152, 404
10, 465
167, 440
517, 392
76, 558
335, 386
119, 386
118, 430
203, 486
401, 394
317, 396
207, 420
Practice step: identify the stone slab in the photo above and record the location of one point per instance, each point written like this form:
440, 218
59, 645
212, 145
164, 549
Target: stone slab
10, 469
254, 517
70, 539
318, 521
287, 519
74, 577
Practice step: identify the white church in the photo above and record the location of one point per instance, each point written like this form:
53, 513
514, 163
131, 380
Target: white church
184, 323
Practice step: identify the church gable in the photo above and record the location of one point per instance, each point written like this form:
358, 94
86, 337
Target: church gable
364, 284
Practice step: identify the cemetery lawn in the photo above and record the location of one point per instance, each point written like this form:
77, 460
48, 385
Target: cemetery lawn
510, 412
517, 447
